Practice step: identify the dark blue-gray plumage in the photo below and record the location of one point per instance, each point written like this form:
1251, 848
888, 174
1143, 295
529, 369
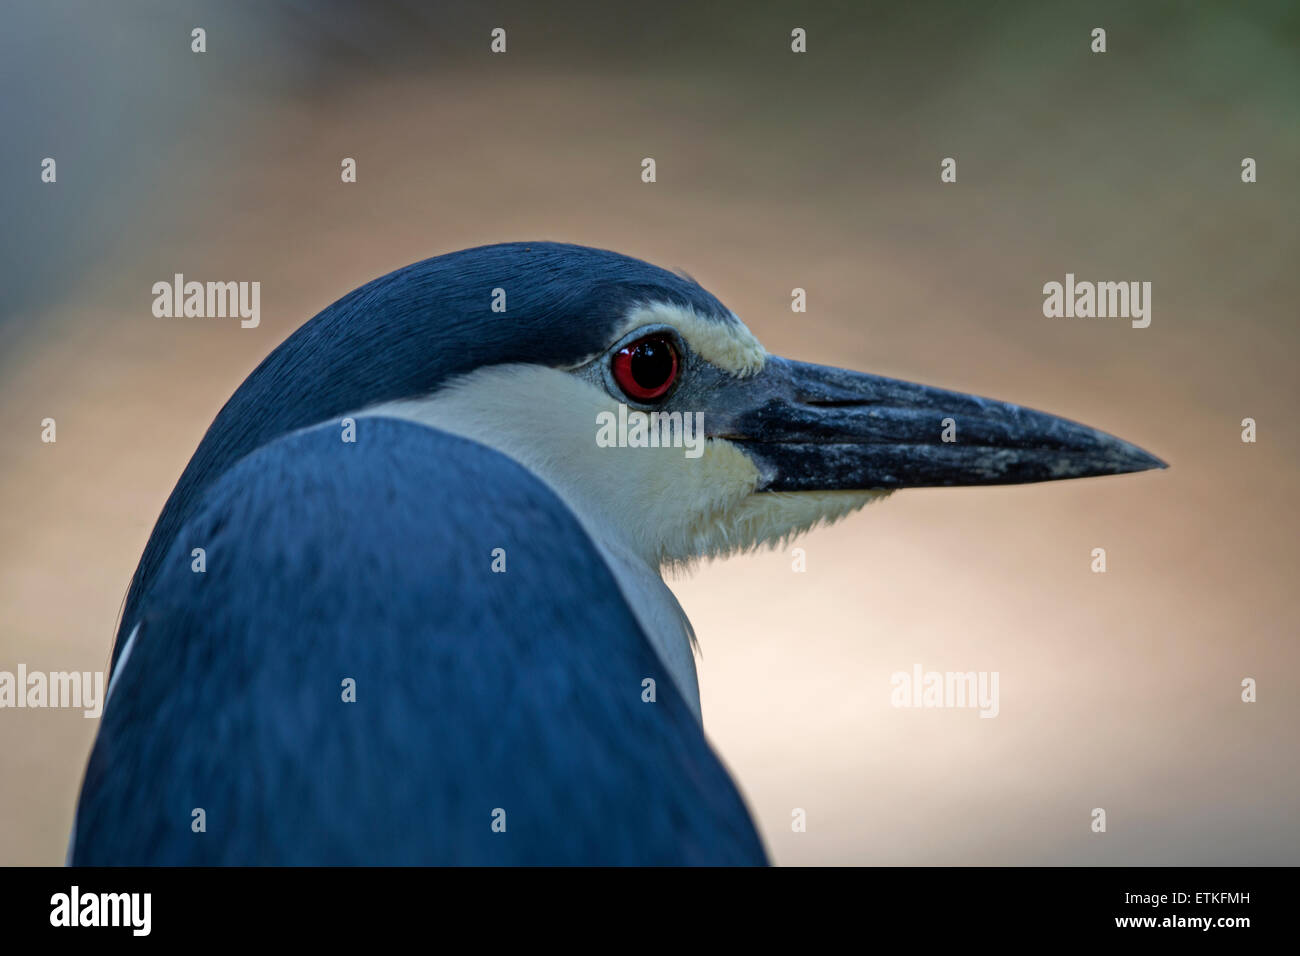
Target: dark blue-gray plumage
527, 699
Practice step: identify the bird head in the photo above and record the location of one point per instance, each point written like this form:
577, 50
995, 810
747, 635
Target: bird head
540, 349
679, 437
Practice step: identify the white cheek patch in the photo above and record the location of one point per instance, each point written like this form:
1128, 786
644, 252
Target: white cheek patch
650, 500
728, 345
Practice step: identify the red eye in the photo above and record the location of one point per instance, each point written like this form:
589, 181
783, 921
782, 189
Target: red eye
647, 368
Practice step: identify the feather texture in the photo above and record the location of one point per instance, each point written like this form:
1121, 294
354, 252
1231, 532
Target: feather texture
475, 691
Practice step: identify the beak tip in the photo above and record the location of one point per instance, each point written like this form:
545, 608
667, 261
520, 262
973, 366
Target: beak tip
1139, 459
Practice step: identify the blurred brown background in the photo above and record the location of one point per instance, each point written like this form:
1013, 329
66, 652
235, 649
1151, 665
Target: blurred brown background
1118, 690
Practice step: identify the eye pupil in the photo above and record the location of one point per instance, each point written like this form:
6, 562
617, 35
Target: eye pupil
646, 369
652, 364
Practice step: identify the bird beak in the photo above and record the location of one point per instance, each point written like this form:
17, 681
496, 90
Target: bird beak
814, 428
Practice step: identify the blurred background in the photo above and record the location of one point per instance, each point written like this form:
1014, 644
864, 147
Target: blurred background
775, 170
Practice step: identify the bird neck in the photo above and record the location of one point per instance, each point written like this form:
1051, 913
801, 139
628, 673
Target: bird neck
662, 620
